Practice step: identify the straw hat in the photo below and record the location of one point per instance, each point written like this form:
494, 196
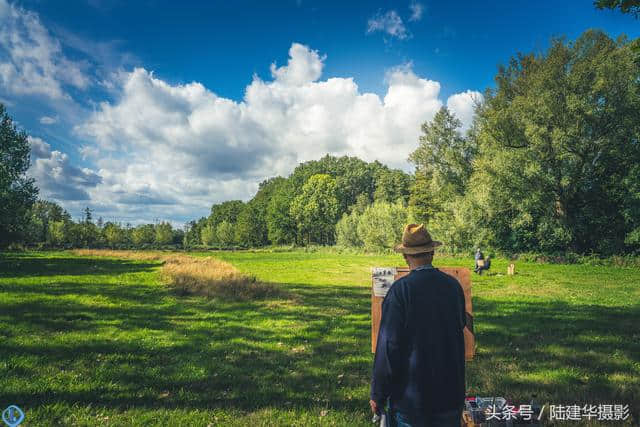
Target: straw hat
416, 240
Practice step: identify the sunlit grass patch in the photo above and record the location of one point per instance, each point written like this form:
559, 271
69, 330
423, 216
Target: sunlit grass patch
198, 276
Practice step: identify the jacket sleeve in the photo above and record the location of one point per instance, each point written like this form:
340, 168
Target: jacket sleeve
388, 347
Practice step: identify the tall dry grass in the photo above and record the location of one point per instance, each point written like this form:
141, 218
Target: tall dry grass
189, 275
137, 255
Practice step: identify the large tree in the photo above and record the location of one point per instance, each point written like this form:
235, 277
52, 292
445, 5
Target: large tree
444, 164
193, 230
114, 234
251, 228
392, 185
444, 154
252, 225
225, 233
41, 215
281, 226
354, 177
164, 233
17, 191
144, 234
559, 139
225, 211
380, 225
315, 210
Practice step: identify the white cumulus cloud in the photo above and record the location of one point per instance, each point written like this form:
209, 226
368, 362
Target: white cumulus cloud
304, 66
463, 105
56, 177
177, 148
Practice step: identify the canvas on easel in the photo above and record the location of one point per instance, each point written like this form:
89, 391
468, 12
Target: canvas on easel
383, 277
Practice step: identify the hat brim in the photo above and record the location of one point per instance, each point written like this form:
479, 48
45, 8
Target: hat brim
417, 249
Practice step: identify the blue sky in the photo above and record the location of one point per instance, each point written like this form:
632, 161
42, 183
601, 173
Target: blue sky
156, 109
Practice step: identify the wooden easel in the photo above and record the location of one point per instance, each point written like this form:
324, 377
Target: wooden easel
463, 275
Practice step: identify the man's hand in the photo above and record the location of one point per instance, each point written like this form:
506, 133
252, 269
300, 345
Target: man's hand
374, 407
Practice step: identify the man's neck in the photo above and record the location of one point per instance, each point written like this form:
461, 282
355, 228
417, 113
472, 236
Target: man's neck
420, 266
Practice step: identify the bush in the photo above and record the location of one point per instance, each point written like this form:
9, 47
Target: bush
380, 225
347, 231
208, 235
225, 233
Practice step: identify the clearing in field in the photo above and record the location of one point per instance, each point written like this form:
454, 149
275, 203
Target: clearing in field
91, 340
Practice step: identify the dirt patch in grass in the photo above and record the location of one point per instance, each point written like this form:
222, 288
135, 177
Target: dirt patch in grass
198, 276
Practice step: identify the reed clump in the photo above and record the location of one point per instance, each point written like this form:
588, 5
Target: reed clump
189, 275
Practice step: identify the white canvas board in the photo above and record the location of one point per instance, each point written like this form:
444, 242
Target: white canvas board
383, 278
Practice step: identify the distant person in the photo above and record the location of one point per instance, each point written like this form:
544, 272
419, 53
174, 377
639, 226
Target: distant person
479, 257
419, 360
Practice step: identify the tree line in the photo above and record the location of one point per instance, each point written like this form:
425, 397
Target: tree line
550, 164
49, 225
303, 208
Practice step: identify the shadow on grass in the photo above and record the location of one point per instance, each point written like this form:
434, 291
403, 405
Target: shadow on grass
564, 353
22, 265
129, 345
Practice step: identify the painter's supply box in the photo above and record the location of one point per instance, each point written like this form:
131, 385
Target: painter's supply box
478, 413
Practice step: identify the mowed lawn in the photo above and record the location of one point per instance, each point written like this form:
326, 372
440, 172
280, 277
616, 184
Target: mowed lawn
101, 341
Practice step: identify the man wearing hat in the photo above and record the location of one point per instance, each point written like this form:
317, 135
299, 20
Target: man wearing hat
419, 360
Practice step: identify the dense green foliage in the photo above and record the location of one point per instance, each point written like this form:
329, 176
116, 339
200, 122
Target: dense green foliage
46, 223
17, 191
560, 138
377, 226
444, 164
95, 341
552, 161
302, 208
315, 209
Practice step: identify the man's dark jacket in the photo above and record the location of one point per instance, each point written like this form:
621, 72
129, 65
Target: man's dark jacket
419, 361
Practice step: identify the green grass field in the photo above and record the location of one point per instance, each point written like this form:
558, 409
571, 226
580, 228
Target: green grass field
98, 341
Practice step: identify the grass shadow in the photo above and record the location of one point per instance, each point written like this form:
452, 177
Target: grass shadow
22, 265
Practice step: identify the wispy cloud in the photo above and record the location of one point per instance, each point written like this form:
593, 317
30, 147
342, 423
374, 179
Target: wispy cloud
46, 120
417, 9
390, 23
31, 60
